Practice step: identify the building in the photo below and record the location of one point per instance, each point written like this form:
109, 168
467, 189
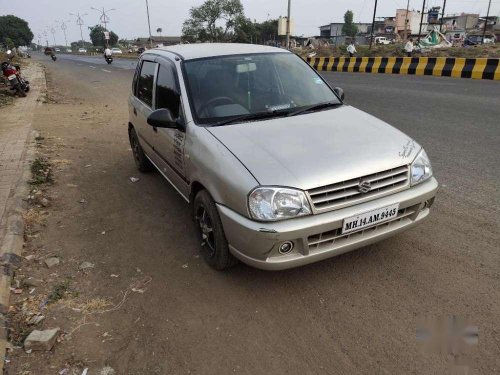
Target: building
331, 30
492, 26
157, 40
335, 29
385, 26
462, 21
412, 23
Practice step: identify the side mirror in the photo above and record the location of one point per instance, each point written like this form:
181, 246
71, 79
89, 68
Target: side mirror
162, 118
339, 92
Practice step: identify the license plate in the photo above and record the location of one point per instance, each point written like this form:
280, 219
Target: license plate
11, 77
367, 219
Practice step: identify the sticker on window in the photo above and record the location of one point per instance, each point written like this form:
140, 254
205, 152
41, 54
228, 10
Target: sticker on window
278, 107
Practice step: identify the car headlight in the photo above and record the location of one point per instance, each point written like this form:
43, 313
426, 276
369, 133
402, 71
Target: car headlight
421, 168
275, 203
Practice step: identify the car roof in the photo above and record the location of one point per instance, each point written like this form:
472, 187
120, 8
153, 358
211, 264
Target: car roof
203, 50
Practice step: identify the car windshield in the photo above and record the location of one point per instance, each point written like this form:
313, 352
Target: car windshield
227, 87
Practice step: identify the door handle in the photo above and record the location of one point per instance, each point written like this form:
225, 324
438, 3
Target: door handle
135, 111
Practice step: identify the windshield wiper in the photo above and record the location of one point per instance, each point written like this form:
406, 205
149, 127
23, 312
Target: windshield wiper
251, 116
313, 107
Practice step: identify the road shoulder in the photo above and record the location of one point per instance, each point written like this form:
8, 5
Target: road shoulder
15, 136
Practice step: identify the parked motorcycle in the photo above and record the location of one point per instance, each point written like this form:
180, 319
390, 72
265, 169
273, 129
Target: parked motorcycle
13, 74
109, 59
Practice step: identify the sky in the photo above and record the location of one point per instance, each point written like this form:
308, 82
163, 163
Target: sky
129, 19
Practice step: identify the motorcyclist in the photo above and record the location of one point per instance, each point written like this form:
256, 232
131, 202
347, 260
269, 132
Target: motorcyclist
107, 52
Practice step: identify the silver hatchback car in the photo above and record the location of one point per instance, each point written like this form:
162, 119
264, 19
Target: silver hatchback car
278, 171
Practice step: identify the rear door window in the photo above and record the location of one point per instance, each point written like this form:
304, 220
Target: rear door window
145, 82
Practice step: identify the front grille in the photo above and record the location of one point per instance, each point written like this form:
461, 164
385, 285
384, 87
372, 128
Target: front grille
335, 238
346, 193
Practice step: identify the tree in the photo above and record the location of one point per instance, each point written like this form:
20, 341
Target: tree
214, 21
349, 28
15, 31
97, 36
159, 30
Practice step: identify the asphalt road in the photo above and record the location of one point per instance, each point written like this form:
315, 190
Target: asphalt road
356, 313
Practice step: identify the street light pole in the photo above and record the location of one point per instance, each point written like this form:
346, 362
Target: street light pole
149, 26
486, 22
406, 20
288, 25
442, 15
373, 25
79, 22
421, 21
53, 31
63, 28
104, 19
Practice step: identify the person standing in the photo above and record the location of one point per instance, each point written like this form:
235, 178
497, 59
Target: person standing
409, 47
351, 49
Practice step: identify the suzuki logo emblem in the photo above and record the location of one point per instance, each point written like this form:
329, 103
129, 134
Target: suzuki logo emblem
364, 186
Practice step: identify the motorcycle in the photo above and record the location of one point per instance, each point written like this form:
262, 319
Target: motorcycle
13, 75
109, 59
53, 57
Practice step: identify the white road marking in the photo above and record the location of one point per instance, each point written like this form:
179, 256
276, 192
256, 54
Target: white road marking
107, 71
93, 67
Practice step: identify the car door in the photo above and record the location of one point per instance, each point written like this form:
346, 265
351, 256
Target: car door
169, 143
142, 106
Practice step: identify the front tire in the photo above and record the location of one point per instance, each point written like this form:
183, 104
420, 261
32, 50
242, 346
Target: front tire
141, 161
215, 249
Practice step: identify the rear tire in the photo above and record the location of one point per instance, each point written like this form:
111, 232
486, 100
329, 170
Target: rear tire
215, 249
141, 161
20, 91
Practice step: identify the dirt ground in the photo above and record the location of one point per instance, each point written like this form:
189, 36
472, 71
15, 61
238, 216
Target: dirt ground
148, 304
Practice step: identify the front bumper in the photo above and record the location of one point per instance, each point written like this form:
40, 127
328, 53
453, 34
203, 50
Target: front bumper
318, 237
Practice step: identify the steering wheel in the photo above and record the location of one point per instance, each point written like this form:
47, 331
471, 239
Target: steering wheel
219, 99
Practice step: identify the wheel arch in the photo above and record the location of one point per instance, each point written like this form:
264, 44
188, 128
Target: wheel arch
196, 187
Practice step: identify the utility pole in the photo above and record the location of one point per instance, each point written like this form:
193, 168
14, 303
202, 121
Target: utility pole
373, 25
486, 22
406, 20
288, 26
149, 26
79, 22
442, 15
421, 21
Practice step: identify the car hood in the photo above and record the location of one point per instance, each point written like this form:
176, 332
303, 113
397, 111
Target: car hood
316, 149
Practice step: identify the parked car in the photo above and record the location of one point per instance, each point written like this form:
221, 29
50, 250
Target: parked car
381, 40
82, 50
48, 51
473, 40
116, 51
57, 49
279, 172
68, 50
